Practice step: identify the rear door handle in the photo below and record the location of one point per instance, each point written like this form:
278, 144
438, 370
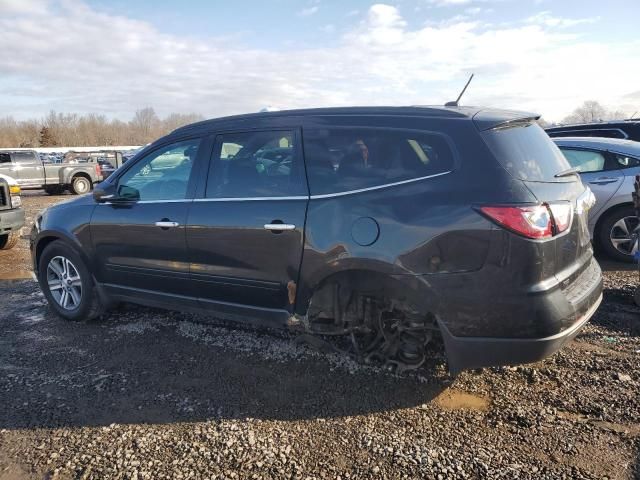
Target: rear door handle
603, 180
167, 224
279, 226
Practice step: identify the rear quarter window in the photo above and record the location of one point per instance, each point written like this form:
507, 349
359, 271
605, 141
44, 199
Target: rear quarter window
527, 152
346, 159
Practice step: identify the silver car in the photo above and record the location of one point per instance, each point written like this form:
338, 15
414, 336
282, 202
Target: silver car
609, 167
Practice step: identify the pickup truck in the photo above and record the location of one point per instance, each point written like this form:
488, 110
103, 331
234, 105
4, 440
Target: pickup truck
11, 213
31, 173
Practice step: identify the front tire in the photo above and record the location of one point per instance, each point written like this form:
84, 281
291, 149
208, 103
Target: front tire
80, 185
9, 240
615, 234
67, 283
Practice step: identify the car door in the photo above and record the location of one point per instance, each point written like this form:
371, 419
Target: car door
27, 169
595, 171
245, 234
139, 236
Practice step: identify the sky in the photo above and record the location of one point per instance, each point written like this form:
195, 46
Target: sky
221, 57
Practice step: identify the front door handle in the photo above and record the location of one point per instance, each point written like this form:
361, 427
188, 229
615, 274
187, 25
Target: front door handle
603, 180
279, 227
167, 224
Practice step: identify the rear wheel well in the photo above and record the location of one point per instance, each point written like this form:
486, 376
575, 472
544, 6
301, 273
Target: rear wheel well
81, 174
373, 316
370, 284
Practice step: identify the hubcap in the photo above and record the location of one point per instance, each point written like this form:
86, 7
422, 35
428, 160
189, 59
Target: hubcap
64, 283
623, 237
82, 186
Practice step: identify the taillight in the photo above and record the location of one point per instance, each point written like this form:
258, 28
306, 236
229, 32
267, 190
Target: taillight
98, 170
530, 221
536, 221
562, 213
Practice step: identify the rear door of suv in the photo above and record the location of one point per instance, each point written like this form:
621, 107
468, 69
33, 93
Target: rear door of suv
245, 232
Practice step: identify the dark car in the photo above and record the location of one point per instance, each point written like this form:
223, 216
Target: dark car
622, 129
377, 227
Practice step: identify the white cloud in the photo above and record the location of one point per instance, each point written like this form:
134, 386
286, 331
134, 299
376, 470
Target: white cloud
548, 20
113, 64
307, 12
443, 3
23, 6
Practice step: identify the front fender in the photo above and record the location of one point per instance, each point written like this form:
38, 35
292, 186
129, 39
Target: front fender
69, 223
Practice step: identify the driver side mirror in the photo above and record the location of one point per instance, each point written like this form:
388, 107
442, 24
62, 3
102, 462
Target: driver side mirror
125, 194
102, 195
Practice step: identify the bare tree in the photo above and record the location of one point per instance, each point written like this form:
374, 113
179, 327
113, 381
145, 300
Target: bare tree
589, 112
145, 123
69, 129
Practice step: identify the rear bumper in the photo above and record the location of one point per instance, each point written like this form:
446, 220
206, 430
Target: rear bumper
475, 352
11, 220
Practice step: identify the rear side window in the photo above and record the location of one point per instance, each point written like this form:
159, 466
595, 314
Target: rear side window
584, 160
345, 159
5, 158
624, 161
526, 152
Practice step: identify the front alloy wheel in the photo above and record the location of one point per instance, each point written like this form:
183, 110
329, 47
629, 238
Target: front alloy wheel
64, 282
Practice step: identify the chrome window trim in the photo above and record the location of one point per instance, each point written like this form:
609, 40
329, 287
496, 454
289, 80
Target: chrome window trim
250, 199
183, 200
296, 197
377, 187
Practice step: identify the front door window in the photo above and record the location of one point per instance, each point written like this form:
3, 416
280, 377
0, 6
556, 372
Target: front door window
161, 175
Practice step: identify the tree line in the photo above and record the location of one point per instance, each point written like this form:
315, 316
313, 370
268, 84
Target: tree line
73, 130
70, 129
592, 111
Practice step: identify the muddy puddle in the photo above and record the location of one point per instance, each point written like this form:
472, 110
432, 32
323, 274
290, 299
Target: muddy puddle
453, 399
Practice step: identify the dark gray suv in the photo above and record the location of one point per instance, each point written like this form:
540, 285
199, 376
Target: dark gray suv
376, 227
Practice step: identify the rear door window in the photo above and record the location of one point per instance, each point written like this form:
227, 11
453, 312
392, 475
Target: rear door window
256, 164
584, 160
346, 159
527, 152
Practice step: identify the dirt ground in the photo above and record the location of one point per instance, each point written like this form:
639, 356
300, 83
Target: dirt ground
146, 394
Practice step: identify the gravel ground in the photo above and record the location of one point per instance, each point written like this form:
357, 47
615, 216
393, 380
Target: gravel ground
146, 394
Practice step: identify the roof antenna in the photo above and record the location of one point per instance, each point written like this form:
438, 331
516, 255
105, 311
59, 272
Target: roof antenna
455, 104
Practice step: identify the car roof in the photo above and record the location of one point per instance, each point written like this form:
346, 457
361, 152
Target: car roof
602, 143
596, 125
487, 116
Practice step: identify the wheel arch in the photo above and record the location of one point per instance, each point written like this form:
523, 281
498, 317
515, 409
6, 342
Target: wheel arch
374, 281
48, 237
605, 214
81, 174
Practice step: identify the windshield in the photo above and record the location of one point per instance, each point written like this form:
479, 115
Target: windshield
527, 152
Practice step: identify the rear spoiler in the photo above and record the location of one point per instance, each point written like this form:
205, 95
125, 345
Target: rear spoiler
490, 118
